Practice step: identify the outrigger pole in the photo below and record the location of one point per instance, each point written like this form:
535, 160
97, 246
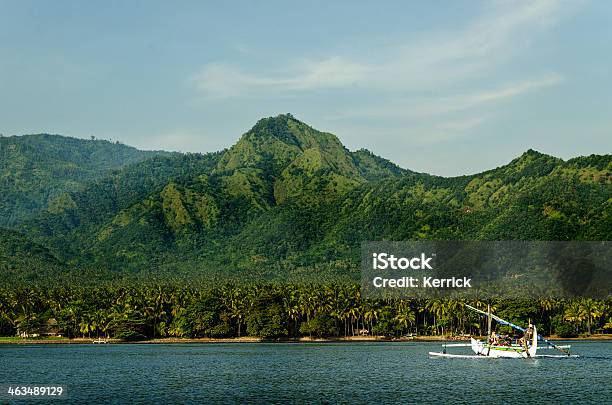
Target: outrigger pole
489, 321
504, 322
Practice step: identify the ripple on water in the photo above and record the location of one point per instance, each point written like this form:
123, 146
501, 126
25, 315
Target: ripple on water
313, 372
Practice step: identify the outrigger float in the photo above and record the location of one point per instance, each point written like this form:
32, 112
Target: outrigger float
495, 347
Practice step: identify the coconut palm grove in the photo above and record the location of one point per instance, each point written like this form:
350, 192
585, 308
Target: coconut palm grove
276, 312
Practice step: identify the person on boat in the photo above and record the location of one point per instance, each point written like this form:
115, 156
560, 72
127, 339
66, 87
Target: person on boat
529, 332
526, 337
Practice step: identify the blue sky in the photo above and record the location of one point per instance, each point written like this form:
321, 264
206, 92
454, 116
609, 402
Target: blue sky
446, 87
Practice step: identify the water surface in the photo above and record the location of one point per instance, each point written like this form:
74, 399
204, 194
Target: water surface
306, 372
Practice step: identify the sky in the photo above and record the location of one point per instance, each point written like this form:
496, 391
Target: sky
444, 87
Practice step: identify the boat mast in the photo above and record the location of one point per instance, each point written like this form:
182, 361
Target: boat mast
489, 320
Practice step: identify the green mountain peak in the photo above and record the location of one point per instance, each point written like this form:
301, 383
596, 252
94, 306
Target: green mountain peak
283, 157
275, 142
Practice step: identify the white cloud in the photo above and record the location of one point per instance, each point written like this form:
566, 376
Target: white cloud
222, 80
427, 106
431, 60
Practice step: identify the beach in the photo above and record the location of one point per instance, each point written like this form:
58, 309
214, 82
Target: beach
249, 339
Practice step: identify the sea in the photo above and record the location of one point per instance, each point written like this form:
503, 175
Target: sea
355, 373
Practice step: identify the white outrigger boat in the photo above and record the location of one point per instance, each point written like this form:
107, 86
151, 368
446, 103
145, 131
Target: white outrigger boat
525, 347
491, 349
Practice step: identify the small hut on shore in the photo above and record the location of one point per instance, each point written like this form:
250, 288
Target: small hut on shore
48, 328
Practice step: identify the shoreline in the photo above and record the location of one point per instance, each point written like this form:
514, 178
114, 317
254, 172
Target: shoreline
350, 339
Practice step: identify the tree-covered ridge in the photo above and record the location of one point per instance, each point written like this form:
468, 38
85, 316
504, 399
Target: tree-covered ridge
73, 228
534, 197
290, 199
38, 172
372, 167
22, 260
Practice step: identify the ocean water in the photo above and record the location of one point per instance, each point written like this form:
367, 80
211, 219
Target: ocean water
305, 373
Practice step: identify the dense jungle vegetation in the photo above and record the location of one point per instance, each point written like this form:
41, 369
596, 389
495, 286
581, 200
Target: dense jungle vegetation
276, 311
287, 206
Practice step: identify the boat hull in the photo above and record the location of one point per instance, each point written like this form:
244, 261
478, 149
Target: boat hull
483, 349
456, 356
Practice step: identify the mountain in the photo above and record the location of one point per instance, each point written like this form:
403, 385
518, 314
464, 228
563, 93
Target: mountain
289, 198
534, 197
68, 230
38, 172
196, 200
282, 158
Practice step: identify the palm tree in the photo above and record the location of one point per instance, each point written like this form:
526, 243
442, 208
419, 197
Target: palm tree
439, 309
574, 313
370, 314
176, 327
237, 310
405, 318
592, 310
546, 306
86, 326
99, 322
355, 314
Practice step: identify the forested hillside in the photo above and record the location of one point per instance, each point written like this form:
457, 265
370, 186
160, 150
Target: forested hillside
38, 172
288, 198
113, 241
22, 260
